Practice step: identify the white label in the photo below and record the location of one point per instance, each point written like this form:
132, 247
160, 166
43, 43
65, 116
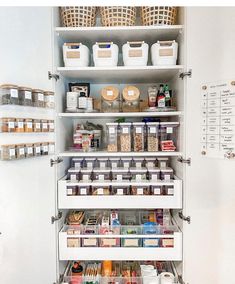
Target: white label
126, 164
154, 177
162, 164
120, 191
89, 242
169, 130
152, 130
138, 130
20, 124
73, 177
100, 191
138, 177
138, 164
44, 125
30, 150
101, 177
29, 125
167, 177
41, 97
38, 125
131, 242
51, 99
150, 164
157, 190
28, 95
12, 152
114, 164
51, 148
51, 125
37, 150
45, 148
85, 177
102, 164
140, 191
14, 93
77, 165
131, 93
125, 130
119, 177
109, 93
151, 242
21, 151
170, 191
83, 191
111, 130
11, 124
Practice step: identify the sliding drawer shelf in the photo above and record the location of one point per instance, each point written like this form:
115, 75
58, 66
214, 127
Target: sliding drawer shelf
118, 154
119, 35
119, 201
122, 74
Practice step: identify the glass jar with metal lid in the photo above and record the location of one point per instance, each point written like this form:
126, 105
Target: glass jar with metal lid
8, 124
25, 96
19, 125
130, 99
110, 101
49, 99
9, 94
38, 98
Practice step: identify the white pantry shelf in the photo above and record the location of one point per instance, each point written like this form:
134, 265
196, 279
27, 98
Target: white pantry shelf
119, 35
122, 74
118, 154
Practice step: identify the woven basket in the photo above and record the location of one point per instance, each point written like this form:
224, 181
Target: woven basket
78, 16
156, 15
118, 16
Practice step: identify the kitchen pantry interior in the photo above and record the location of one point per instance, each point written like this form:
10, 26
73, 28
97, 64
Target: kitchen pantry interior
105, 176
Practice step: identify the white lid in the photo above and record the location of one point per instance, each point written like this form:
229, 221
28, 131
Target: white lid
140, 170
154, 170
83, 171
152, 123
168, 170
105, 170
112, 124
138, 123
169, 123
102, 159
126, 159
150, 159
120, 170
114, 159
125, 124
90, 159
73, 170
138, 159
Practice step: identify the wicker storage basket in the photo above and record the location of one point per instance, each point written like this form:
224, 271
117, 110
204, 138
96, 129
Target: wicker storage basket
118, 16
157, 15
78, 16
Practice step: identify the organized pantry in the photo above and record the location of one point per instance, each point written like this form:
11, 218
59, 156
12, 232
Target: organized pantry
116, 188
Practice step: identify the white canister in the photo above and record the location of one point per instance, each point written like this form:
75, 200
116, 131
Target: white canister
135, 53
105, 54
164, 52
167, 278
75, 55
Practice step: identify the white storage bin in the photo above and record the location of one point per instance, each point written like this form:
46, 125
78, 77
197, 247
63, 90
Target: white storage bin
164, 52
135, 53
105, 54
75, 55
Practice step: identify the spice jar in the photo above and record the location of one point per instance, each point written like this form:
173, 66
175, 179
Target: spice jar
152, 136
73, 174
29, 150
120, 175
86, 175
44, 148
9, 95
138, 174
51, 125
19, 125
20, 151
130, 99
100, 190
84, 190
125, 137
49, 99
71, 190
102, 175
110, 101
44, 124
168, 190
37, 125
37, 149
154, 174
51, 146
28, 126
120, 190
112, 137
8, 124
25, 96
138, 135
8, 152
140, 190
38, 98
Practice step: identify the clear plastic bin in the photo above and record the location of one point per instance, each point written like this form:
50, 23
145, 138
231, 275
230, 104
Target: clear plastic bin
77, 162
29, 150
168, 136
167, 174
121, 175
38, 98
163, 162
73, 174
150, 163
112, 137
138, 163
131, 242
100, 190
103, 163
138, 136
154, 174
19, 125
8, 152
109, 230
84, 190
150, 228
9, 95
102, 175
25, 96
140, 190
152, 136
157, 190
90, 230
138, 174
86, 175
71, 190
115, 162
20, 151
120, 190
8, 124
125, 137
126, 162
37, 149
28, 125
90, 163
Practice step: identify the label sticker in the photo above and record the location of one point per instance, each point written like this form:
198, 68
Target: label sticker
11, 124
152, 130
138, 130
120, 191
69, 191
131, 93
83, 191
157, 190
111, 130
14, 93
125, 130
40, 97
28, 95
100, 191
109, 93
73, 177
140, 191
169, 130
12, 152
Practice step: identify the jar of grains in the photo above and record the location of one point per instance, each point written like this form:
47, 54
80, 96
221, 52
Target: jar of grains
29, 150
152, 136
9, 95
138, 135
51, 125
25, 96
38, 98
37, 149
125, 137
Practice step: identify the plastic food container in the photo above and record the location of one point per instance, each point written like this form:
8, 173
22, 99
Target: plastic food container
109, 230
49, 98
44, 148
25, 96
168, 135
125, 137
8, 152
103, 163
77, 162
90, 230
102, 175
75, 55
84, 190
126, 162
9, 95
168, 190
51, 146
73, 174
120, 190
115, 162
120, 175
130, 99
135, 53
28, 126
19, 125
86, 175
131, 242
167, 174
71, 190
156, 190
44, 123
138, 162
90, 163
110, 99
112, 137
37, 125
152, 136
8, 124
20, 151
38, 98
150, 163
37, 149
100, 190
138, 174
140, 190
164, 52
154, 174
105, 54
51, 125
138, 136
29, 150
162, 162
150, 228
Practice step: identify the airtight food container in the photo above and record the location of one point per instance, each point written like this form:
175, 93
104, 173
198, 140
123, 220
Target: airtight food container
102, 175
120, 175
135, 53
162, 162
73, 174
86, 175
167, 174
120, 190
100, 190
152, 136
126, 162
114, 163
140, 190
25, 96
164, 52
9, 95
154, 174
105, 54
125, 137
138, 174
138, 136
90, 163
20, 151
29, 150
8, 124
157, 190
76, 55
8, 152
38, 98
77, 162
168, 136
102, 162
150, 162
83, 190
112, 137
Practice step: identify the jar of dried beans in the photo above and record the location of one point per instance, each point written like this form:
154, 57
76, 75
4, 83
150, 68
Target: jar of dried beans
125, 137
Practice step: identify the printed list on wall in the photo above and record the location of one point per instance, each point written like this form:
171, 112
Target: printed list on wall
218, 119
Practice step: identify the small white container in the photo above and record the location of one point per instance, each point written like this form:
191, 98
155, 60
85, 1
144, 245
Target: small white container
105, 54
75, 55
164, 52
135, 53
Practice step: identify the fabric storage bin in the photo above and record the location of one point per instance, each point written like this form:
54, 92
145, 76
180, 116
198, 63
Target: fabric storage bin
138, 136
162, 162
164, 53
114, 163
86, 175
100, 190
77, 162
154, 174
112, 137
168, 135
109, 230
83, 190
150, 163
120, 190
75, 55
9, 95
110, 99
125, 137
167, 174
135, 53
126, 162
152, 136
140, 190
105, 54
157, 190
130, 99
25, 96
8, 124
102, 175
120, 175
73, 174
150, 228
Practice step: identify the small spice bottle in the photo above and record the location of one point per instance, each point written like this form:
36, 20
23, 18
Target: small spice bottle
51, 146
19, 125
28, 126
9, 94
29, 150
8, 152
38, 98
51, 125
7, 124
37, 149
25, 96
37, 125
44, 148
20, 151
44, 124
49, 99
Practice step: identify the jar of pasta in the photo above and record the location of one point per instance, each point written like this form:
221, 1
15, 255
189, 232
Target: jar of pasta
49, 99
125, 137
37, 125
9, 95
28, 126
38, 98
19, 125
8, 124
25, 96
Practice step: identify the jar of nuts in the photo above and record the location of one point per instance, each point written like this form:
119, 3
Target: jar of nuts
125, 137
138, 136
152, 136
112, 137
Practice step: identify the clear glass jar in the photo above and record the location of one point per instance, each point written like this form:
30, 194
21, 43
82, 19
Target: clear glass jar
138, 136
112, 137
29, 150
154, 174
167, 174
37, 149
51, 146
140, 190
102, 175
138, 174
28, 125
51, 125
25, 96
8, 152
120, 190
130, 99
9, 95
44, 124
110, 100
19, 125
38, 98
168, 136
86, 175
37, 125
152, 136
126, 162
157, 190
125, 137
20, 151
100, 190
162, 162
150, 163
49, 99
44, 148
121, 175
8, 124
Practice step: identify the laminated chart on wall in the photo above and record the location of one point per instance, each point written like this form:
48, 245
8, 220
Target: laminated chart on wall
218, 119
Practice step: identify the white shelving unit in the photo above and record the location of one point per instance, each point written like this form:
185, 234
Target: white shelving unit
119, 154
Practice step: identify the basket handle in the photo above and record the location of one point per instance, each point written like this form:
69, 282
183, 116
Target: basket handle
166, 43
135, 43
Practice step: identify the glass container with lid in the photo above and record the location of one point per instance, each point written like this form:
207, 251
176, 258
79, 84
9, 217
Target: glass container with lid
19, 125
112, 137
29, 150
28, 126
8, 124
152, 136
20, 151
125, 137
130, 99
37, 125
38, 98
168, 136
8, 152
49, 99
25, 96
138, 136
110, 101
9, 94
154, 174
37, 149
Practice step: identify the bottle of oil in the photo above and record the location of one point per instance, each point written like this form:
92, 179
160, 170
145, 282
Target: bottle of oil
161, 100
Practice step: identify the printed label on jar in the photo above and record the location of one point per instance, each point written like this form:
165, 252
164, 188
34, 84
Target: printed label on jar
140, 191
125, 130
108, 242
83, 191
101, 177
41, 97
138, 130
138, 177
73, 177
131, 242
100, 191
29, 125
120, 191
44, 125
21, 151
89, 242
11, 124
89, 165
167, 177
37, 125
150, 242
37, 150
152, 130
119, 177
51, 99
154, 176
125, 164
14, 93
109, 93
20, 124
131, 93
28, 95
12, 152
102, 164
111, 130
30, 150
157, 190
169, 130
51, 125
150, 164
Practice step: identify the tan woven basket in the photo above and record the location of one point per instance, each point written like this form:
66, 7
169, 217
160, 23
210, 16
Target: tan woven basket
78, 16
157, 15
118, 16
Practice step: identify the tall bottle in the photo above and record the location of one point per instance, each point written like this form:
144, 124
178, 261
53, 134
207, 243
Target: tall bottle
161, 101
167, 93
